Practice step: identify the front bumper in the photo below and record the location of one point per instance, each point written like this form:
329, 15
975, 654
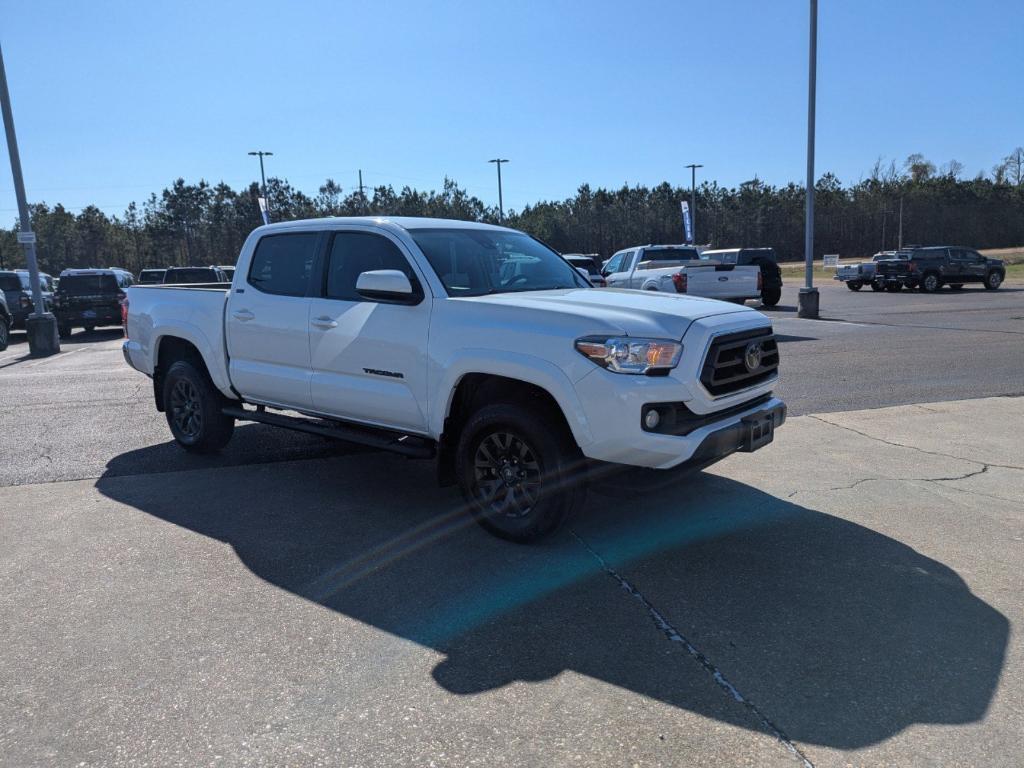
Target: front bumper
619, 437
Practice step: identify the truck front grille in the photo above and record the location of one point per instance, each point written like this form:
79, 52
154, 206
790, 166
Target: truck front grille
727, 366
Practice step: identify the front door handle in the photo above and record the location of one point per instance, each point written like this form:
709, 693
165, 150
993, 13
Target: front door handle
244, 315
324, 322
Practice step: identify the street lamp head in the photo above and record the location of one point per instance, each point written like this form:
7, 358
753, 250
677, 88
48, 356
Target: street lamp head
261, 153
498, 160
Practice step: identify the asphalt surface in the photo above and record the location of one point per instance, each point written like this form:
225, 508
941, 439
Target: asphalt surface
846, 596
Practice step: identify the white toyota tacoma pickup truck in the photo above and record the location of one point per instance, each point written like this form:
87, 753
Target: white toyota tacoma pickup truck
471, 344
680, 269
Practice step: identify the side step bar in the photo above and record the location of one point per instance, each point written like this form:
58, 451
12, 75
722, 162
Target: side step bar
385, 439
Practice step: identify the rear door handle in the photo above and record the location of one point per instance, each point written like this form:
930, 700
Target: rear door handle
324, 322
244, 315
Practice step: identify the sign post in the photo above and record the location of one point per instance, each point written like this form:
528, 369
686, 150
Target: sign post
41, 326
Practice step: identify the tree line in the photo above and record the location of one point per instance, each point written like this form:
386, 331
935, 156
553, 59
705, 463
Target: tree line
190, 224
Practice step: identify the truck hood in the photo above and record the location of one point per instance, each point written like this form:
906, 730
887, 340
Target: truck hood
627, 312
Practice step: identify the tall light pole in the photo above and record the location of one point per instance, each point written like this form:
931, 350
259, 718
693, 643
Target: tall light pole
41, 326
263, 176
501, 205
693, 201
807, 302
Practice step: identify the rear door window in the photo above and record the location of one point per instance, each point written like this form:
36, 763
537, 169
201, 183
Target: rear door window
282, 264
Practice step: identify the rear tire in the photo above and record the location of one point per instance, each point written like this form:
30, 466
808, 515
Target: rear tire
5, 333
877, 286
993, 281
930, 283
64, 331
518, 472
193, 409
854, 285
893, 287
90, 328
771, 297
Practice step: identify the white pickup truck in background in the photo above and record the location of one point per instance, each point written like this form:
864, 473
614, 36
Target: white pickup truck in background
679, 269
471, 344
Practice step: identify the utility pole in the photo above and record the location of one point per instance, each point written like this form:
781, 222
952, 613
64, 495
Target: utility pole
900, 246
263, 176
807, 302
501, 205
362, 194
41, 326
693, 201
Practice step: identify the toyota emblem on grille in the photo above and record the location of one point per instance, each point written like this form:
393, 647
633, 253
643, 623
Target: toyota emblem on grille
752, 356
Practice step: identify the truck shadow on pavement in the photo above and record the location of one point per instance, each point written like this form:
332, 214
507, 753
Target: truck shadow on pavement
840, 635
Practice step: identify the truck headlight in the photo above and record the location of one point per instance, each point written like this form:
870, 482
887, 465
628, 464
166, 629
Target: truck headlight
622, 354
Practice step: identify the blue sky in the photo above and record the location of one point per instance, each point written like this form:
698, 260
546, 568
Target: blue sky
113, 100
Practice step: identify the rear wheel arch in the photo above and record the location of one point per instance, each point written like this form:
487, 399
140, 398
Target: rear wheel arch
169, 350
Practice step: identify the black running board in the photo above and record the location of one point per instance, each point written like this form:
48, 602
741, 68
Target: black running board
385, 439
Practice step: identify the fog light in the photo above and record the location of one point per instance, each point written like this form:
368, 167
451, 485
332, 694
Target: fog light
651, 419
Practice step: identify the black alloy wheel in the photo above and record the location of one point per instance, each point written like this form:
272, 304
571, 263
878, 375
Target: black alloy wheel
186, 411
507, 476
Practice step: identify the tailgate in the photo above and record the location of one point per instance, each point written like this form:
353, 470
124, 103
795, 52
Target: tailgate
723, 281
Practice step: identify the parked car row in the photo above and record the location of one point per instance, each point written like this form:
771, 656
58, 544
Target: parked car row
728, 274
925, 268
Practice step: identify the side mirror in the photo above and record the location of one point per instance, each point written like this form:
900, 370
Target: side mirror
586, 275
385, 285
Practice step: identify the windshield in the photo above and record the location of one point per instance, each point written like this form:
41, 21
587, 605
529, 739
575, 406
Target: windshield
191, 275
149, 276
476, 262
87, 285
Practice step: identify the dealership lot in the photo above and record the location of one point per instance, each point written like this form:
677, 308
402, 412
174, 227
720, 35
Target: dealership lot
846, 596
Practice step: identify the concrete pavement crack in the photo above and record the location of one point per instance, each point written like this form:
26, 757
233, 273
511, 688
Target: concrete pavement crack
697, 655
985, 464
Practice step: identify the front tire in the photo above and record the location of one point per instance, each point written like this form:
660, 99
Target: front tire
930, 283
90, 328
993, 281
5, 333
193, 409
893, 287
63, 331
877, 286
517, 472
854, 285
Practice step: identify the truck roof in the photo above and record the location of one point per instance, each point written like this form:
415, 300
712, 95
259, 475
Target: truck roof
404, 222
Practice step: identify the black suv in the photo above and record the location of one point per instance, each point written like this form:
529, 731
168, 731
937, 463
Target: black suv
771, 275
89, 298
18, 292
931, 268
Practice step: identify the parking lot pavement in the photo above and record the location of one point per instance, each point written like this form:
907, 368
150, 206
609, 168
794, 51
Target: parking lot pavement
66, 416
844, 596
878, 349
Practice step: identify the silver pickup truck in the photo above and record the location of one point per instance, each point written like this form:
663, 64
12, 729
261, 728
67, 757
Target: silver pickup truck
679, 269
